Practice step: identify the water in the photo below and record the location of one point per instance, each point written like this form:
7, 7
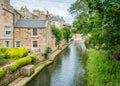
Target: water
68, 69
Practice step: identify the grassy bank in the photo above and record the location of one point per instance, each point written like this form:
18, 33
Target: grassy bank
102, 70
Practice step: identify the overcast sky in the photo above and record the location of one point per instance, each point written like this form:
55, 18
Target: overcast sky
57, 7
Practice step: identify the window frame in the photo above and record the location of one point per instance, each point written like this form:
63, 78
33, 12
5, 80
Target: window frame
19, 44
8, 31
34, 34
35, 46
7, 43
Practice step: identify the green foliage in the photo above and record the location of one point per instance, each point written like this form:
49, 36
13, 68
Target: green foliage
3, 53
14, 53
22, 62
57, 33
2, 72
66, 33
1, 58
100, 19
46, 52
99, 14
3, 50
78, 7
102, 70
33, 56
17, 53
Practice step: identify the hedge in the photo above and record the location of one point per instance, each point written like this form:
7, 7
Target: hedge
22, 62
14, 53
2, 72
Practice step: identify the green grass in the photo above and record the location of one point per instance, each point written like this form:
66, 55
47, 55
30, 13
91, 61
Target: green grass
101, 70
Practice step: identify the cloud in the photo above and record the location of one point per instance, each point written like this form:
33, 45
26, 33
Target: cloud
57, 7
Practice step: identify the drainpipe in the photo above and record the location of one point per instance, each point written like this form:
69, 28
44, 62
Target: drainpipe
13, 25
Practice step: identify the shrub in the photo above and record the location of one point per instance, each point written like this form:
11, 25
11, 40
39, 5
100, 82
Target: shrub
13, 67
46, 52
14, 53
22, 62
1, 58
2, 72
3, 53
33, 56
17, 53
28, 60
3, 50
23, 52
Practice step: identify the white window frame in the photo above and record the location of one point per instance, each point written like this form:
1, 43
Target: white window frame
37, 45
16, 43
8, 28
33, 32
5, 43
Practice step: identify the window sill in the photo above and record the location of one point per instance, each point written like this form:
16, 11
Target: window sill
35, 36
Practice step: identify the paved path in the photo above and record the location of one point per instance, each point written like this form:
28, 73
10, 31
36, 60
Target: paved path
77, 37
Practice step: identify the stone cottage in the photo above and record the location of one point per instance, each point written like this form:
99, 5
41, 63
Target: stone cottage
32, 34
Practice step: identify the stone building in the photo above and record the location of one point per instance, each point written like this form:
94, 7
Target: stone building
40, 14
21, 28
8, 18
32, 34
57, 21
24, 11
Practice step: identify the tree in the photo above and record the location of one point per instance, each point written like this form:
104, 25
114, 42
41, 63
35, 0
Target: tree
102, 15
57, 33
66, 33
46, 52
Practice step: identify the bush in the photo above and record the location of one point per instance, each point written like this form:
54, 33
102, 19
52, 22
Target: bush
22, 62
46, 52
1, 58
3, 50
2, 72
23, 52
33, 56
3, 53
17, 53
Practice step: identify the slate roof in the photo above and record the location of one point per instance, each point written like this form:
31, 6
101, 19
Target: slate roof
31, 24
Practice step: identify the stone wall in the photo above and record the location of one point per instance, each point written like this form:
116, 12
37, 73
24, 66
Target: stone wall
9, 77
27, 70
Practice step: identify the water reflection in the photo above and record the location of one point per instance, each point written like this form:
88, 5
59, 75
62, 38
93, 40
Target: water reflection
67, 70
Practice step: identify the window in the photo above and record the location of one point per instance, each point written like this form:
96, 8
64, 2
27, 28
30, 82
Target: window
35, 44
18, 44
35, 32
6, 44
7, 30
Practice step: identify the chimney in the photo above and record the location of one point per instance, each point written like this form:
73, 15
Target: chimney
47, 12
36, 12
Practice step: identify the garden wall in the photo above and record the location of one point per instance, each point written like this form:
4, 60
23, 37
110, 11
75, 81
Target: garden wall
9, 77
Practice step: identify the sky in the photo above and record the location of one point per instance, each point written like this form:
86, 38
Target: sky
56, 7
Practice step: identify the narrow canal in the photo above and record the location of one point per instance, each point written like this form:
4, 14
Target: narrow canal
68, 69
